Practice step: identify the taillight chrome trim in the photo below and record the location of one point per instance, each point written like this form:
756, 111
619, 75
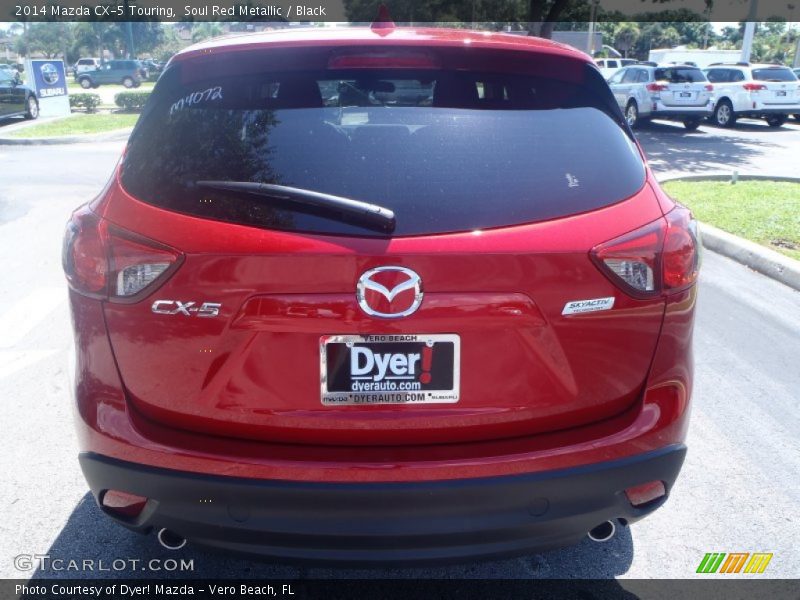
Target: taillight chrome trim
601, 252
113, 271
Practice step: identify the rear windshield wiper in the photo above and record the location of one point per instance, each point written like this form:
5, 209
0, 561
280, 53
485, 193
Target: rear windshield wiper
347, 210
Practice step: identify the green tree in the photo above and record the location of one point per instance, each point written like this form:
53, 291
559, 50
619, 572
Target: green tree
50, 39
170, 44
625, 37
205, 30
94, 37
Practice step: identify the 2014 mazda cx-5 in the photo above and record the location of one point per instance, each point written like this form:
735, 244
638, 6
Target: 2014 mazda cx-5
381, 294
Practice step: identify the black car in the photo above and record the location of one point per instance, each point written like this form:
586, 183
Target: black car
16, 100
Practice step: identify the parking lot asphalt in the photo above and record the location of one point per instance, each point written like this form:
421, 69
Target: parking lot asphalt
751, 148
738, 491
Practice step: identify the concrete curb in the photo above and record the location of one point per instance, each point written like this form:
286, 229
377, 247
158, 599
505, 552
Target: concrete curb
727, 177
755, 256
109, 136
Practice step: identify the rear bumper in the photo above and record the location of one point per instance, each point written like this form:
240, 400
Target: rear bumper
764, 111
378, 522
689, 112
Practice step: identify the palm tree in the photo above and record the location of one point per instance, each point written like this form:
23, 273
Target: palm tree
625, 37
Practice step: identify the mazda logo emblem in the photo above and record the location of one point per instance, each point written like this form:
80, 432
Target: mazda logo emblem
389, 292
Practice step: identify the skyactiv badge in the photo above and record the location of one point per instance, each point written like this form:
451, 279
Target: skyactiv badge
574, 307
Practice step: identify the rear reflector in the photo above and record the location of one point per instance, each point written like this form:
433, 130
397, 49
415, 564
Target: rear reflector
123, 504
106, 262
647, 492
661, 257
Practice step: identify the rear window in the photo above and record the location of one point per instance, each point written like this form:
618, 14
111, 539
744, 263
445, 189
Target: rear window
446, 151
680, 75
773, 74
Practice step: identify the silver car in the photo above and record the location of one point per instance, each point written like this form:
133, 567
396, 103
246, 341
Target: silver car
673, 92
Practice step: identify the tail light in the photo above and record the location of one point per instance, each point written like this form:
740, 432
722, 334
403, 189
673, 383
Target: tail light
663, 257
656, 87
103, 261
709, 87
754, 87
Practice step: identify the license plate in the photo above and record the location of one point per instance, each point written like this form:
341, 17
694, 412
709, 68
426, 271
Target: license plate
686, 94
779, 93
390, 369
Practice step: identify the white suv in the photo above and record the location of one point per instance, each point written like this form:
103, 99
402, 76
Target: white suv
674, 92
767, 92
609, 66
85, 64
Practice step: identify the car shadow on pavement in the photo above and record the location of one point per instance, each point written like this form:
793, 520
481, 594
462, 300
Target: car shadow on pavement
88, 535
671, 148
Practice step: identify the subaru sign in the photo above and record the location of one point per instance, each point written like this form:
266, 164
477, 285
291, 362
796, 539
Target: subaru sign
49, 80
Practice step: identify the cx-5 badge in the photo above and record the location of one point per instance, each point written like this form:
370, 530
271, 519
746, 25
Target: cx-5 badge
175, 307
389, 292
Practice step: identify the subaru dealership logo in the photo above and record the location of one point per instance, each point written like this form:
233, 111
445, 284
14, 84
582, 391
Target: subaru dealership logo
49, 74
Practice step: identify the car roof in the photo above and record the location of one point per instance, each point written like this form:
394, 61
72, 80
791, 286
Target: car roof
747, 66
378, 36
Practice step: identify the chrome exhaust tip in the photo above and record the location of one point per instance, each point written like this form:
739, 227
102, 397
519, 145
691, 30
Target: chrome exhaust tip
603, 532
170, 540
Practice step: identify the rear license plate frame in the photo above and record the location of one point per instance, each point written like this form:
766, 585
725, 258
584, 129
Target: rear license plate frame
337, 380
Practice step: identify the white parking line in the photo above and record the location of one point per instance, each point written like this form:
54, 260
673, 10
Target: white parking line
27, 313
12, 361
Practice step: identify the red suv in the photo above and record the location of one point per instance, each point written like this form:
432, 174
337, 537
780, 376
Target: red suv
381, 294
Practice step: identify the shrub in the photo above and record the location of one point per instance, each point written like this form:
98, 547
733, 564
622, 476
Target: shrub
88, 102
131, 101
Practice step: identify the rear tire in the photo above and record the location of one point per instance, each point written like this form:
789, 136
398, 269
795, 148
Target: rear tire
776, 121
85, 82
632, 115
128, 82
32, 111
691, 124
723, 114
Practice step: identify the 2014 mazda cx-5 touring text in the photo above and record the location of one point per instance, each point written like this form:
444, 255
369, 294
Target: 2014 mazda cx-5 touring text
381, 294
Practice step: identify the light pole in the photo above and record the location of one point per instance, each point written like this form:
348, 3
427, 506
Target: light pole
592, 17
749, 31
129, 32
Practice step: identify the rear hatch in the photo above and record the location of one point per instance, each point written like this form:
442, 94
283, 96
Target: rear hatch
683, 86
476, 313
780, 85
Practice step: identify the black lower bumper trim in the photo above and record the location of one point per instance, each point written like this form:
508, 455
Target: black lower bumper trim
679, 115
378, 522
